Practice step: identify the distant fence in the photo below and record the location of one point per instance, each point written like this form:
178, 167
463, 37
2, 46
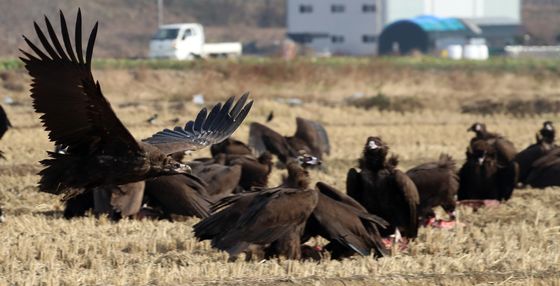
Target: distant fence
533, 51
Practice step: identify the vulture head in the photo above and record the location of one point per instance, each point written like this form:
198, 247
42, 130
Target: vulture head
547, 133
478, 128
161, 164
375, 152
306, 160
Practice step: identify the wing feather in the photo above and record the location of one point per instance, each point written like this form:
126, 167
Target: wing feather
63, 88
207, 129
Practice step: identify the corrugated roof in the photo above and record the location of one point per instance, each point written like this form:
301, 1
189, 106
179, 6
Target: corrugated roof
436, 24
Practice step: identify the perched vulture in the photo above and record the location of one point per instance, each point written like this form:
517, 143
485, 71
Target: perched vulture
4, 125
220, 180
183, 195
437, 184
527, 158
230, 147
383, 190
505, 150
483, 177
310, 138
101, 151
254, 171
544, 171
273, 218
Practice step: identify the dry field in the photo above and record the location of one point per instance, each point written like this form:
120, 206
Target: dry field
516, 243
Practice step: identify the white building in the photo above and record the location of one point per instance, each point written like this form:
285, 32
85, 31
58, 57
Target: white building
352, 27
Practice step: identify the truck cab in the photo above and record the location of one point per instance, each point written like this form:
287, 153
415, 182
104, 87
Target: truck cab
178, 41
186, 41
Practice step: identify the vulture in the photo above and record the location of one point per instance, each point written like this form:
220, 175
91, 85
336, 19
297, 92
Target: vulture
230, 146
437, 184
384, 190
544, 171
4, 125
310, 138
280, 219
221, 180
505, 150
527, 158
273, 218
101, 151
483, 176
254, 171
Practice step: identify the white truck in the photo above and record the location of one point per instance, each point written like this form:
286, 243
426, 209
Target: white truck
186, 41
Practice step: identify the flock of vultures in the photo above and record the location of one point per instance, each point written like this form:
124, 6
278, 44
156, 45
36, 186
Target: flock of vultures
99, 167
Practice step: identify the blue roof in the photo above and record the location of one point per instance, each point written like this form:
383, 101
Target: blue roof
436, 24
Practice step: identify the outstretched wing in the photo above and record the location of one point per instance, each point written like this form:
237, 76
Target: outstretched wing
205, 130
74, 111
262, 138
4, 122
314, 134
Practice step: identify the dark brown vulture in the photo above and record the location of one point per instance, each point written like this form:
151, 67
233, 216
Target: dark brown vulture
310, 138
230, 147
505, 150
437, 184
483, 177
101, 151
384, 190
183, 195
4, 125
526, 158
544, 171
254, 171
274, 218
220, 180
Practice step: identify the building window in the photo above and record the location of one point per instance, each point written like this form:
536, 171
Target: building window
337, 39
369, 8
337, 8
369, 38
303, 9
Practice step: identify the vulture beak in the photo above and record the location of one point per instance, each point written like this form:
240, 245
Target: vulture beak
397, 237
548, 127
480, 161
181, 168
372, 145
308, 160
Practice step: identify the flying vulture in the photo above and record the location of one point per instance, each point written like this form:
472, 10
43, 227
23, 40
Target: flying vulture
384, 190
483, 176
437, 184
310, 138
101, 151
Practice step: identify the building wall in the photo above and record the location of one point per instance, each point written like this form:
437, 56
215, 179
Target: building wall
352, 24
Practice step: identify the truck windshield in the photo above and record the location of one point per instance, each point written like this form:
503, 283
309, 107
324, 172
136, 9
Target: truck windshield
166, 34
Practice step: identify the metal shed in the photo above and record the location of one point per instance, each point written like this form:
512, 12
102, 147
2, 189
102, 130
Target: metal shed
423, 34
